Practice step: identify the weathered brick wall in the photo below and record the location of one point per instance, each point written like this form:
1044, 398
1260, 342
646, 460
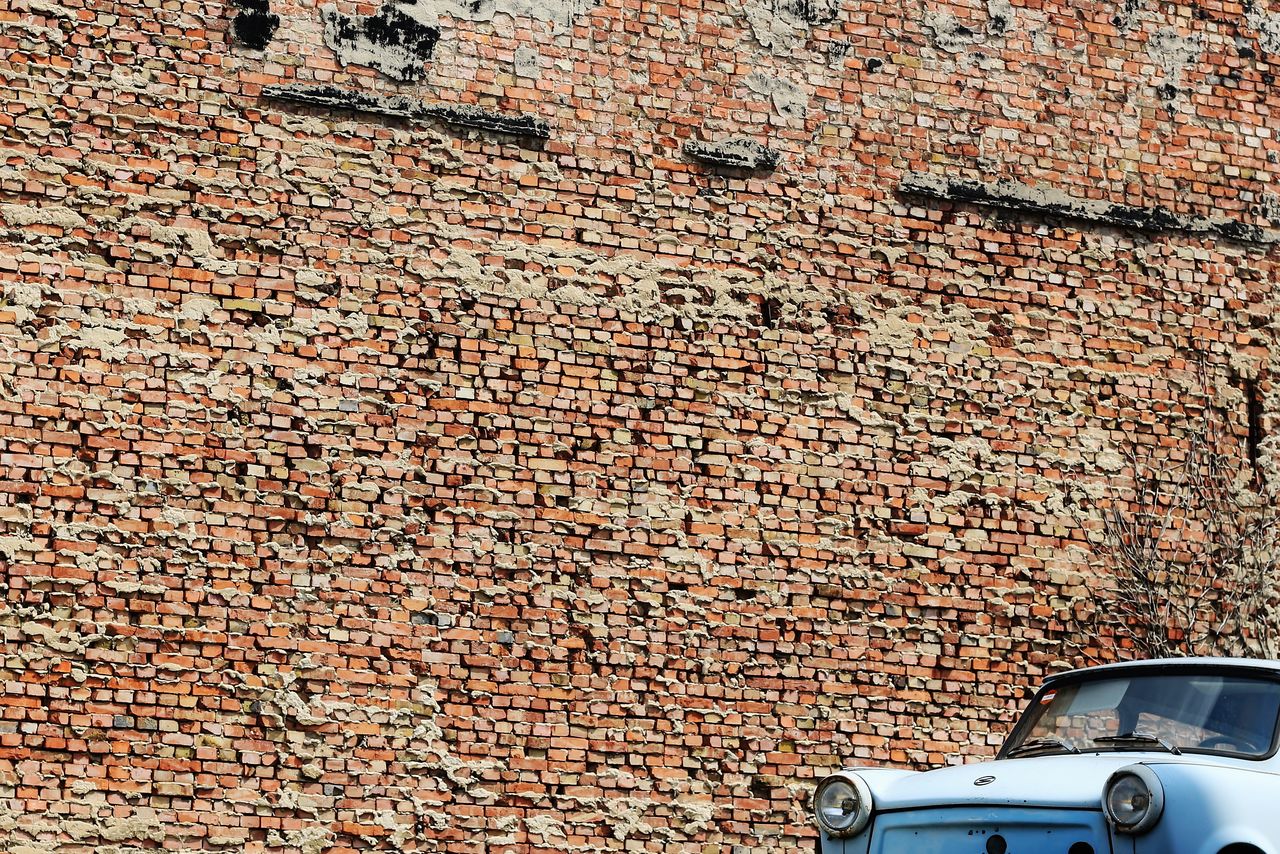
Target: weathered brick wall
376, 482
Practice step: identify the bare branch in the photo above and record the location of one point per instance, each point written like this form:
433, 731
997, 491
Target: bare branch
1194, 554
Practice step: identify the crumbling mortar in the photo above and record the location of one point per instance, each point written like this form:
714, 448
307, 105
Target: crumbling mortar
618, 376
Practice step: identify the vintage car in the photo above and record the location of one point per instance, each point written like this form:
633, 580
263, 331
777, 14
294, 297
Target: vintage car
1176, 756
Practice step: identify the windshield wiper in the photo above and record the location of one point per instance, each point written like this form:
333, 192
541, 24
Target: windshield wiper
1038, 744
1139, 737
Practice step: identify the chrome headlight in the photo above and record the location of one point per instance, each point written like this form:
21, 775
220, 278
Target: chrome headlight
1133, 799
842, 804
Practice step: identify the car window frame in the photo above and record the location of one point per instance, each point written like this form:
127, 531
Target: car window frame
1054, 683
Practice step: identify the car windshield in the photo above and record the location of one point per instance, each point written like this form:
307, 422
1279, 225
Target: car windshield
1175, 712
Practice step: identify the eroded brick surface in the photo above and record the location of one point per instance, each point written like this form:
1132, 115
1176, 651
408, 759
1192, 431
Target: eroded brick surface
369, 484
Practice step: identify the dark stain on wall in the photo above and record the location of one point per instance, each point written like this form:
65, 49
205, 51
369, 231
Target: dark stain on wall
391, 41
998, 24
812, 12
1126, 11
255, 25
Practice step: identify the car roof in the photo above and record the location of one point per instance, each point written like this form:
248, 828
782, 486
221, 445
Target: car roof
1156, 664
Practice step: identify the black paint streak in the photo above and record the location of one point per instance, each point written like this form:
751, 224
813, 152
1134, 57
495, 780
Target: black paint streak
254, 26
468, 116
733, 154
1009, 195
341, 99
401, 107
399, 44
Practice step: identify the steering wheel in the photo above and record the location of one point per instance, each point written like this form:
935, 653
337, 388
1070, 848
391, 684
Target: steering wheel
1240, 744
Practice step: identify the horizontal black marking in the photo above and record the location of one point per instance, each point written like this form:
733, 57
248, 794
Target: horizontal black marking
733, 154
1014, 196
402, 107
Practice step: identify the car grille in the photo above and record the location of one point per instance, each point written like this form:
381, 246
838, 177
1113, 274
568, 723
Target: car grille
990, 830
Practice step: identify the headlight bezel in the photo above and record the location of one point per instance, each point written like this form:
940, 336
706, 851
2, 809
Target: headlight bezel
1155, 803
862, 814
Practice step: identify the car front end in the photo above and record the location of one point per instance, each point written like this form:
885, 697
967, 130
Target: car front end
1123, 761
978, 809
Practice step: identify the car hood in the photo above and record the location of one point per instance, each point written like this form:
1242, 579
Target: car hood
1047, 781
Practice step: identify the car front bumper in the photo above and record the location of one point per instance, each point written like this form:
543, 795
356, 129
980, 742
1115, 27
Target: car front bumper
982, 830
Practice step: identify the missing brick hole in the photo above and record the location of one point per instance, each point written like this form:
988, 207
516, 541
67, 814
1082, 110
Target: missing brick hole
770, 310
1253, 402
761, 789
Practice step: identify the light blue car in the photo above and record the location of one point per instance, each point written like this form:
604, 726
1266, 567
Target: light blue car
1176, 756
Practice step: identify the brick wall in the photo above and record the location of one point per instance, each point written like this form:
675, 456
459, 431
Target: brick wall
576, 426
